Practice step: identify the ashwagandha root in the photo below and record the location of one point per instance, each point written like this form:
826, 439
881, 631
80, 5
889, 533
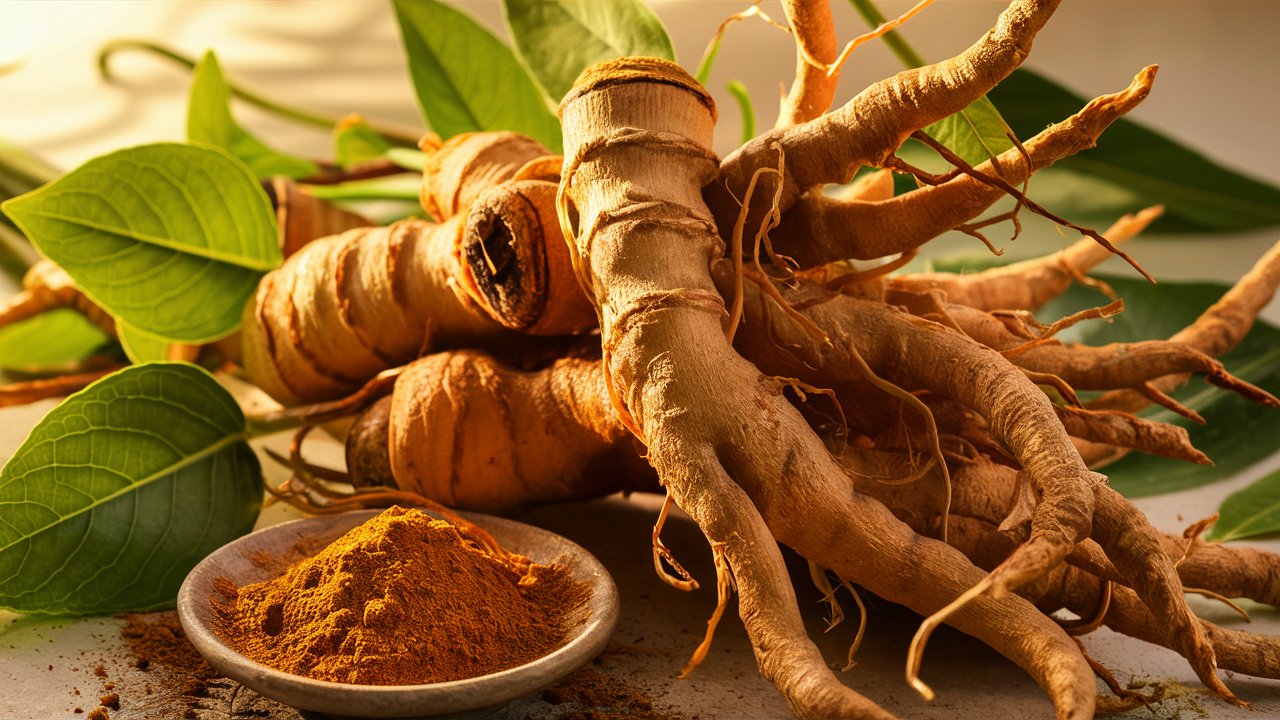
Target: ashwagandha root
1101, 367
1029, 284
349, 306
814, 88
643, 250
517, 265
48, 287
819, 228
1216, 331
871, 126
468, 164
903, 348
470, 432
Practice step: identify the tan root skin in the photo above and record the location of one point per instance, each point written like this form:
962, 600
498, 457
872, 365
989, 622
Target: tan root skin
810, 412
661, 320
346, 307
471, 433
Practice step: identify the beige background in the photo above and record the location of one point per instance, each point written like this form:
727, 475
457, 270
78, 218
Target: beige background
1217, 90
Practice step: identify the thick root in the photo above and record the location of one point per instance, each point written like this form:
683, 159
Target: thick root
814, 88
871, 126
350, 306
517, 265
466, 165
1216, 331
819, 228
473, 434
1025, 285
905, 350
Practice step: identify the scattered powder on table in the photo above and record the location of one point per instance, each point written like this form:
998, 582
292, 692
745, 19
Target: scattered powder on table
158, 639
402, 599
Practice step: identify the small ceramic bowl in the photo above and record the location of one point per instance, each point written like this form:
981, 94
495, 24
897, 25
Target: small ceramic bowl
590, 627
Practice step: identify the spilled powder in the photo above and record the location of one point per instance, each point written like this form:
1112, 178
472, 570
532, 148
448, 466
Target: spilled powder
402, 599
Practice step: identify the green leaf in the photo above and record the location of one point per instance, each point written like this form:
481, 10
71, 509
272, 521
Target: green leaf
209, 121
976, 133
1134, 167
354, 142
1255, 510
558, 39
170, 238
49, 341
121, 490
1156, 312
141, 347
466, 79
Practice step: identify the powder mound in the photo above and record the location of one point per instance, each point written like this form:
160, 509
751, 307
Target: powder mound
402, 599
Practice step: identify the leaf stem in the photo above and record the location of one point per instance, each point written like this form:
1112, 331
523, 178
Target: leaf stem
16, 254
743, 96
22, 170
305, 117
256, 427
900, 48
392, 187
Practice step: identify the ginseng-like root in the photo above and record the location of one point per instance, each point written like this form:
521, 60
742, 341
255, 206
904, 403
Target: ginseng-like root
871, 126
470, 432
516, 275
820, 228
347, 307
1029, 284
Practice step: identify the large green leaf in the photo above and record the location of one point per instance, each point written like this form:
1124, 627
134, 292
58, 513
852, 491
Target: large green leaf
49, 341
1158, 311
1255, 510
121, 490
558, 39
466, 79
1133, 167
209, 121
170, 238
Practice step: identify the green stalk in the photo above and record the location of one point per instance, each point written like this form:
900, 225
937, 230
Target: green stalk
16, 254
393, 187
258, 426
875, 18
21, 171
740, 93
708, 59
305, 117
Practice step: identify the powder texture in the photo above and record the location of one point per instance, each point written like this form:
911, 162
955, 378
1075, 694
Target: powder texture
402, 599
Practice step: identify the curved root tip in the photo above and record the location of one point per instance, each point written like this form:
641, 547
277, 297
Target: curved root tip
919, 686
915, 653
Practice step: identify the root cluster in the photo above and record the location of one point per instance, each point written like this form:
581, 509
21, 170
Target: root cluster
643, 315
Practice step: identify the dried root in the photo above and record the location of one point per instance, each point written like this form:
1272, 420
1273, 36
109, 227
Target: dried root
946, 479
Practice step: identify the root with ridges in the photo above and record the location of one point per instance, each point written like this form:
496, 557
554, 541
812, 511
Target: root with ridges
652, 260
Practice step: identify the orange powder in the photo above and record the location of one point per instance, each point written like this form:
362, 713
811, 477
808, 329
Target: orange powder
402, 599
